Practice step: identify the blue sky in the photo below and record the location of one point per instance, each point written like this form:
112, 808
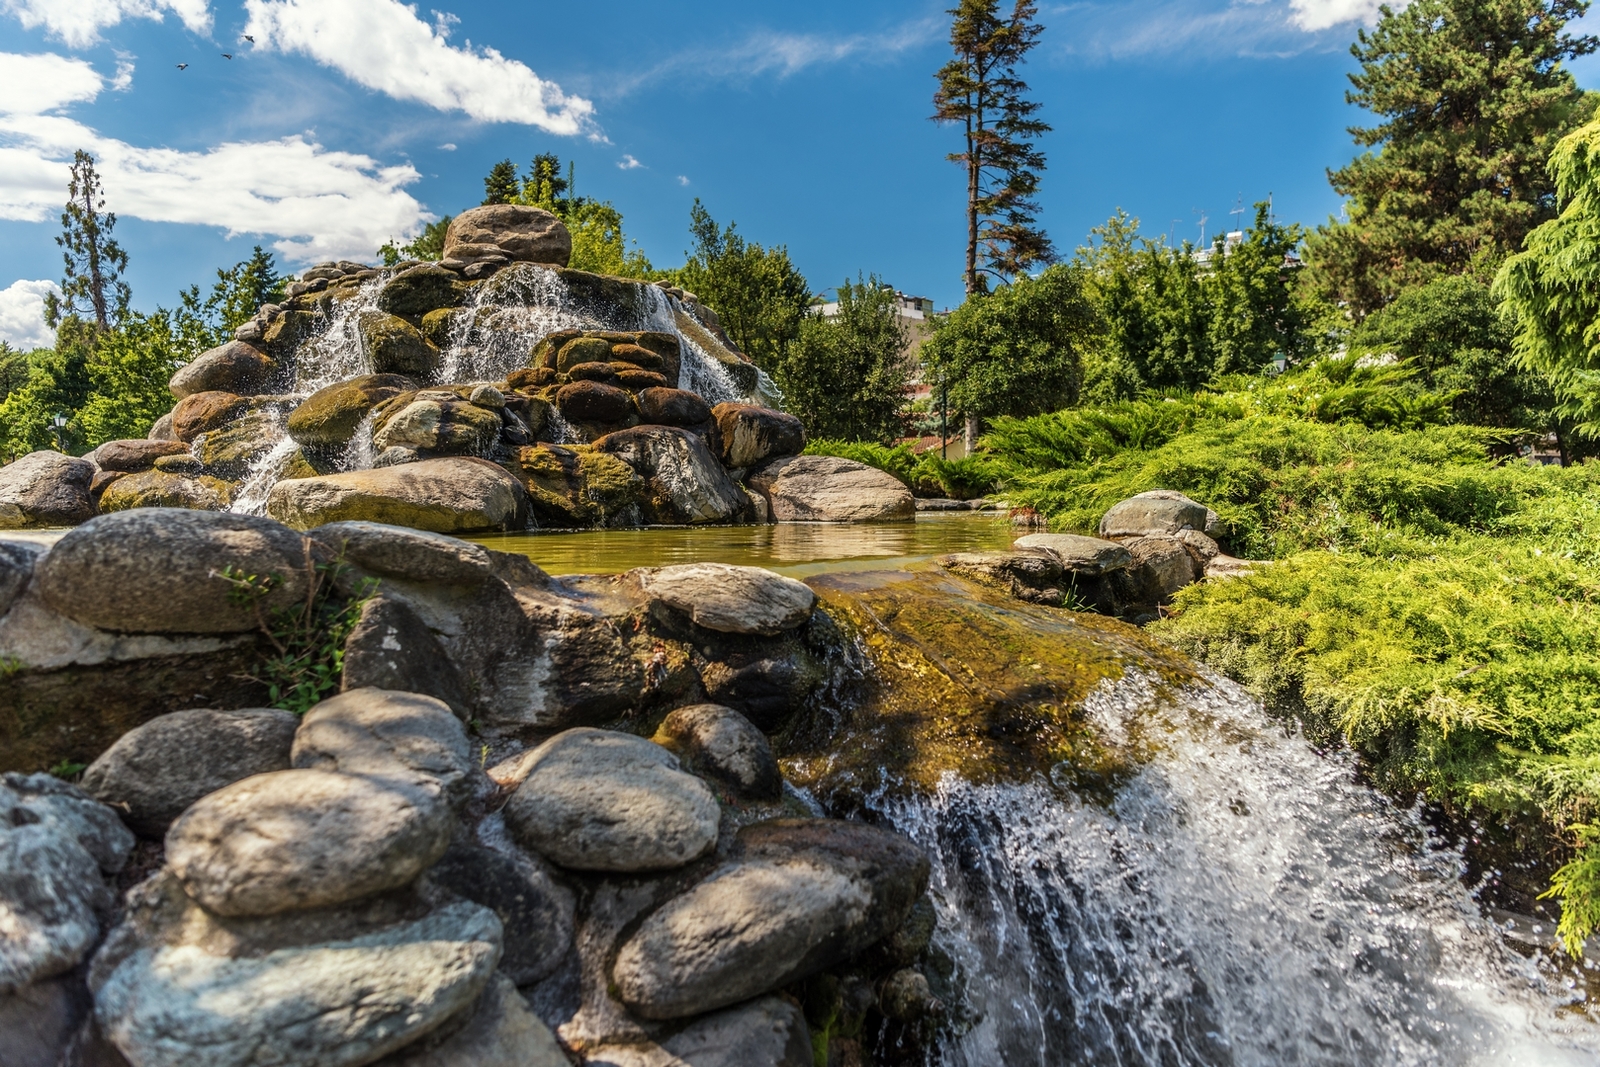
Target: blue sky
347, 121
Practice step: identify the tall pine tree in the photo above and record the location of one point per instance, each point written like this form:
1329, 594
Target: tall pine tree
980, 91
1471, 96
92, 283
501, 185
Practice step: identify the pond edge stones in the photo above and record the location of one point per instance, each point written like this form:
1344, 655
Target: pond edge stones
731, 599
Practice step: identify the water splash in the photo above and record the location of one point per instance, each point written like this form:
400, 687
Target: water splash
335, 353
700, 373
560, 431
1238, 901
267, 468
360, 453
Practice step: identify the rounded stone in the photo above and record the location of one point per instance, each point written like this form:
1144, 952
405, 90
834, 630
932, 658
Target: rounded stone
331, 415
593, 402
394, 346
831, 489
718, 743
298, 839
384, 735
132, 456
443, 495
518, 232
45, 489
166, 489
1159, 511
160, 570
400, 552
235, 367
731, 599
200, 413
157, 770
686, 482
581, 350
1081, 555
502, 1031
673, 407
752, 435
595, 800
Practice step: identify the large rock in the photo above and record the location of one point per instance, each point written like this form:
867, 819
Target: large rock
769, 1032
805, 895
387, 736
132, 456
500, 1032
444, 495
304, 839
45, 489
595, 800
672, 407
519, 233
57, 848
831, 489
159, 571
327, 1003
1032, 574
400, 552
16, 569
577, 486
418, 290
392, 648
394, 346
235, 367
594, 402
686, 483
329, 417
448, 427
1160, 567
231, 451
731, 599
720, 744
39, 1022
1092, 556
156, 771
1160, 511
200, 413
752, 435
535, 912
160, 489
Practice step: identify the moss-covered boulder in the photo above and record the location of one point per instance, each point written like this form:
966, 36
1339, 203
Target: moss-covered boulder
329, 417
229, 452
673, 407
582, 350
442, 426
287, 332
544, 353
418, 290
158, 489
633, 379
203, 412
594, 402
394, 346
575, 486
437, 326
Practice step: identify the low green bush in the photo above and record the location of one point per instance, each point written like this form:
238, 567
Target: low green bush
926, 475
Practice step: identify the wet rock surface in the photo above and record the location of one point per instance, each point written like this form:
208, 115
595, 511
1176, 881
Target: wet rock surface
831, 489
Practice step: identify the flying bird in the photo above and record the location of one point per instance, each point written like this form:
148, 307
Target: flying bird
249, 38
225, 55
183, 66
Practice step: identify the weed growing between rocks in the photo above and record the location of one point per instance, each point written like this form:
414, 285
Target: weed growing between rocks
305, 658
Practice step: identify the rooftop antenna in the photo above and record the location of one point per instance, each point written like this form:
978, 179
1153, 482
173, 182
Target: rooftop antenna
1238, 209
1202, 214
1172, 234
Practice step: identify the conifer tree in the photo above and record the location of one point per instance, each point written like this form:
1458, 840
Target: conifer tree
980, 92
501, 186
92, 283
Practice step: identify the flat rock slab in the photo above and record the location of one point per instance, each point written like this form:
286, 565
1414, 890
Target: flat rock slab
1159, 511
720, 744
442, 495
57, 845
331, 1004
596, 800
156, 771
831, 489
401, 552
730, 599
388, 736
160, 571
769, 1032
1082, 555
304, 839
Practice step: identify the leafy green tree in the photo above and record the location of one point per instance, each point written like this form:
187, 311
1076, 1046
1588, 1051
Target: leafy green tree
1471, 96
429, 244
845, 375
1016, 351
758, 294
500, 186
544, 182
13, 370
241, 289
131, 366
981, 92
92, 283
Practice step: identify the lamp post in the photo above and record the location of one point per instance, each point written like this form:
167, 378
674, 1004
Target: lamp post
59, 422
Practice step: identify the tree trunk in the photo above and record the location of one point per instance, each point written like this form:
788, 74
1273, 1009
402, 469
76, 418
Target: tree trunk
972, 434
974, 174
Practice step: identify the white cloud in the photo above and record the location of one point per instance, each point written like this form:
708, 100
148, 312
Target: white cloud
683, 179
383, 45
1314, 15
22, 315
78, 22
321, 204
629, 163
447, 147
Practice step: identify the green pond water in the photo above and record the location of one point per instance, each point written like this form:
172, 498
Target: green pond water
798, 550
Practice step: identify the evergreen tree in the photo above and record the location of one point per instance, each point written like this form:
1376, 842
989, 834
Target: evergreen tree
599, 245
241, 289
501, 185
1471, 96
981, 92
429, 244
92, 283
845, 376
544, 181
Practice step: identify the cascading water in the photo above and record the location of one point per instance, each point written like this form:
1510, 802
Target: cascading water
277, 448
336, 354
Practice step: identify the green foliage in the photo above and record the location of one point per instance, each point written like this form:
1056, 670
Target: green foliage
68, 770
500, 186
241, 289
1471, 96
1016, 351
926, 475
306, 663
131, 365
598, 243
92, 283
845, 375
429, 244
759, 296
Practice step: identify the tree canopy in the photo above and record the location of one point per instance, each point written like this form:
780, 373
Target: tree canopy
845, 374
92, 281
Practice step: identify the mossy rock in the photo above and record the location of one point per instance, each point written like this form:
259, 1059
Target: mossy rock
639, 356
530, 379
329, 417
594, 372
158, 489
441, 427
544, 353
575, 486
582, 350
419, 290
307, 463
437, 326
534, 413
394, 346
287, 332
229, 452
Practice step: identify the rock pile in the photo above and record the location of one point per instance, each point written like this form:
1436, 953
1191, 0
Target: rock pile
480, 861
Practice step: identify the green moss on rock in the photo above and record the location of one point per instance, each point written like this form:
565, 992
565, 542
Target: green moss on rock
329, 417
158, 489
394, 346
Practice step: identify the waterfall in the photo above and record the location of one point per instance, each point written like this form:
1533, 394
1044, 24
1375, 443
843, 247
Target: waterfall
702, 374
560, 430
267, 468
335, 354
1238, 901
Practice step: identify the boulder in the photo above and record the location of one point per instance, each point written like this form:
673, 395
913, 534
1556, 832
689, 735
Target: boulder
231, 451
16, 568
162, 489
161, 429
753, 435
535, 912
766, 689
183, 465
418, 290
387, 736
58, 848
804, 895
1091, 556
45, 489
517, 232
399, 552
768, 1032
720, 744
686, 484
501, 1031
1031, 574
159, 570
595, 800
577, 486
673, 407
288, 331
133, 456
394, 346
392, 648
1160, 511
594, 402
635, 381
458, 495
329, 1003
235, 367
329, 417
200, 413
1202, 547
156, 771
644, 358
39, 1022
449, 427
300, 839
1160, 567
730, 599
578, 351
831, 489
